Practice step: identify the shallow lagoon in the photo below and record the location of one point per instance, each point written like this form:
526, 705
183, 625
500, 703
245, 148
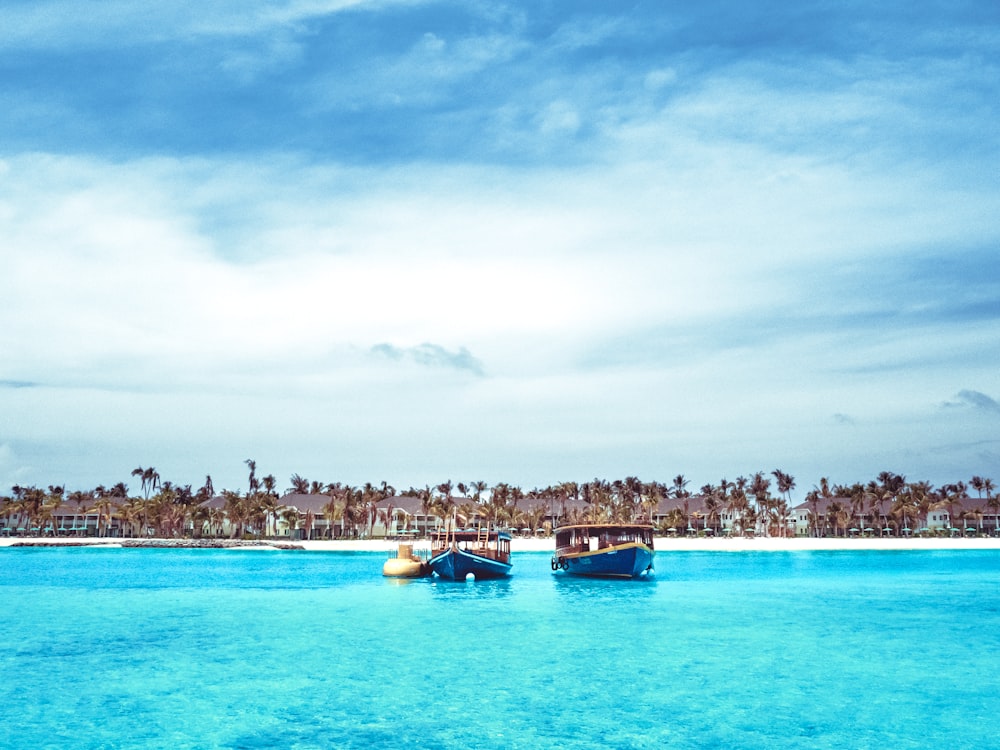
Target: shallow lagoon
251, 649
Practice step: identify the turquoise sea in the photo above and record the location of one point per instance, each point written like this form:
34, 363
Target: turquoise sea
112, 648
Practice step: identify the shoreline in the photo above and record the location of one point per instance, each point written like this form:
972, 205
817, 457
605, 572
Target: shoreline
661, 544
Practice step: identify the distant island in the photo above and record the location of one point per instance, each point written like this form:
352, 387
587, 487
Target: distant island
755, 506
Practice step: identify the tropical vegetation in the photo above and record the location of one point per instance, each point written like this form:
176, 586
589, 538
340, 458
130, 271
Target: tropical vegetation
888, 504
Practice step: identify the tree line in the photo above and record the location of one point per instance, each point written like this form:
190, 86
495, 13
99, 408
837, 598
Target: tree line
166, 509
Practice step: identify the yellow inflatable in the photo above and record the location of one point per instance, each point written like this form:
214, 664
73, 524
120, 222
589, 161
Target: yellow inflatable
405, 564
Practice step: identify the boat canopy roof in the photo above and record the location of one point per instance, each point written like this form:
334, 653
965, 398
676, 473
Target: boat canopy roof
606, 533
604, 528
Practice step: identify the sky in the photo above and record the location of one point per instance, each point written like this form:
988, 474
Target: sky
525, 242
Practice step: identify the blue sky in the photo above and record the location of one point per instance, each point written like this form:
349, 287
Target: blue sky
523, 242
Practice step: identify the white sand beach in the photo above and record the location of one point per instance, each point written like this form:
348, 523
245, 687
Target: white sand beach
662, 544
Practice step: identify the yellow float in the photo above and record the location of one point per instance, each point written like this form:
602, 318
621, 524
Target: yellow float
405, 564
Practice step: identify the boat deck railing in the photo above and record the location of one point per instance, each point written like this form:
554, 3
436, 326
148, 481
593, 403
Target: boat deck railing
602, 544
422, 552
486, 543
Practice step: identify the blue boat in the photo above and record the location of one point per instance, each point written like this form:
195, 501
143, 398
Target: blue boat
485, 553
604, 550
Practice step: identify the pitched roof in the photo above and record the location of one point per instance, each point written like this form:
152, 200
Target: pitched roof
305, 503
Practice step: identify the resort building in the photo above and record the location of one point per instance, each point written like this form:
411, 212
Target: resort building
846, 516
357, 515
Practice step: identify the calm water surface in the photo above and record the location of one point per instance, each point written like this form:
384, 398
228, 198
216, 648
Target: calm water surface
251, 649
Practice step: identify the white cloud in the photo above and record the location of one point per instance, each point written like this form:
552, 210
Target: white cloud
702, 259
135, 264
63, 23
559, 118
658, 79
620, 315
587, 32
421, 76
12, 469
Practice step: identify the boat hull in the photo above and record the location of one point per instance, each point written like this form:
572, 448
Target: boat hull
457, 564
620, 561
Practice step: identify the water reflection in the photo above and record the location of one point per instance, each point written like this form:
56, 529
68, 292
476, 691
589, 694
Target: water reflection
603, 589
393, 581
496, 588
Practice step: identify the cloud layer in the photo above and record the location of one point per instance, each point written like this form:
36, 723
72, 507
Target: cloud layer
414, 241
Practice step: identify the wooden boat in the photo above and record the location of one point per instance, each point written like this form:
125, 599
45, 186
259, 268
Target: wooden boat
406, 564
485, 553
612, 550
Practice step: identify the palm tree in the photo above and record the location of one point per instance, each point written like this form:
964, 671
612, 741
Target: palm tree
631, 498
785, 483
839, 514
888, 488
331, 512
129, 515
15, 506
675, 519
680, 487
268, 507
444, 505
387, 517
426, 497
310, 520
495, 507
953, 494
171, 519
201, 516
980, 485
349, 511
6, 510
824, 492
370, 497
713, 507
812, 497
216, 521
977, 484
781, 511
164, 509
905, 511
858, 506
993, 504
103, 504
652, 496
291, 518
253, 484
974, 517
150, 481
269, 484
384, 492
760, 488
478, 488
920, 496
237, 512
738, 506
28, 503
780, 515
300, 485
601, 508
876, 495
49, 508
